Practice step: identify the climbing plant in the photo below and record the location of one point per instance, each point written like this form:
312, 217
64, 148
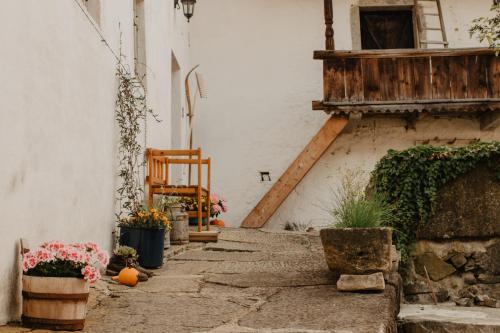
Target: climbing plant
488, 28
409, 181
131, 111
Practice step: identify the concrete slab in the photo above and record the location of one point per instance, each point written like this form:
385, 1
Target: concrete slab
273, 279
323, 308
416, 318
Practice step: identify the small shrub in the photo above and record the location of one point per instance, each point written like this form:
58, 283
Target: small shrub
355, 208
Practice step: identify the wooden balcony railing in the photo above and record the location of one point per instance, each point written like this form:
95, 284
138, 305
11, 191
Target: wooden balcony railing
435, 80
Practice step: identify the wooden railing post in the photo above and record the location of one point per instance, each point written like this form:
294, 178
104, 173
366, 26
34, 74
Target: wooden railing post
329, 43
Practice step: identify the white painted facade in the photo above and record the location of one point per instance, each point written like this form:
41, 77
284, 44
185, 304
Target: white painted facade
58, 136
256, 56
57, 130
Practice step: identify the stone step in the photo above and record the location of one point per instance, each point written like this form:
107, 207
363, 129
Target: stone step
446, 318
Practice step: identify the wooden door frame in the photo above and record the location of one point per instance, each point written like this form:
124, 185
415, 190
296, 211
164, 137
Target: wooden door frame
356, 20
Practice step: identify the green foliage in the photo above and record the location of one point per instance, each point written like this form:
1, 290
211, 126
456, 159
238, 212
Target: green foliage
125, 252
57, 268
488, 28
131, 111
147, 218
409, 182
354, 208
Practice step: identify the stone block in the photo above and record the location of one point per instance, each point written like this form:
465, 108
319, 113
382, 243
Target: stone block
436, 267
469, 278
357, 251
372, 282
458, 260
494, 258
491, 303
468, 207
465, 302
488, 278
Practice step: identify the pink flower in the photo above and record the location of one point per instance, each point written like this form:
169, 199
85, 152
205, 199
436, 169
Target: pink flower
214, 198
224, 207
29, 261
53, 246
91, 246
216, 209
62, 254
91, 274
43, 255
103, 258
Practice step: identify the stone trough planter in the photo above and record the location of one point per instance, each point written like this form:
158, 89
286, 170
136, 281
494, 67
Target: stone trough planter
357, 251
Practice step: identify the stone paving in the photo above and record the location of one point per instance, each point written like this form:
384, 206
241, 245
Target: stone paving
250, 281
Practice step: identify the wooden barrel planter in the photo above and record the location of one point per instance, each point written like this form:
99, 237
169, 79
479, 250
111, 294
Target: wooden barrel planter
54, 303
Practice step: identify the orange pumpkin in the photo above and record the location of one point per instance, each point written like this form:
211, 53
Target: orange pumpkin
127, 276
218, 223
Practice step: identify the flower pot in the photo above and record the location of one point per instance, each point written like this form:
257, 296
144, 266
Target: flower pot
357, 250
54, 303
149, 244
180, 231
194, 221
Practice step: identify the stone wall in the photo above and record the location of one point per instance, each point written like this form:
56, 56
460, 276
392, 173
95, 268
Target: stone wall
460, 246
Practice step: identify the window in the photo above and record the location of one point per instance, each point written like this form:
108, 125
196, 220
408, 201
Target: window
387, 29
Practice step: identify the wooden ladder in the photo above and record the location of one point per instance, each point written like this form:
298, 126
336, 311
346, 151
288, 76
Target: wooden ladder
273, 199
424, 28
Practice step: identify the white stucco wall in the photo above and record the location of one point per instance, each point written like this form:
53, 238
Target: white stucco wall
57, 130
256, 56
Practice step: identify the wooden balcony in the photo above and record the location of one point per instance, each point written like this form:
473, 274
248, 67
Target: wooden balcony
409, 81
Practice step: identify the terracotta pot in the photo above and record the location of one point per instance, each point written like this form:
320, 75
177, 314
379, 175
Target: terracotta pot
55, 303
357, 250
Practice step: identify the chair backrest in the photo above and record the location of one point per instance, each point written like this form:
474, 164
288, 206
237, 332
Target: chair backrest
160, 161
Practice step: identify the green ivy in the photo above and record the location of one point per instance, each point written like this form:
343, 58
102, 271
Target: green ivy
409, 181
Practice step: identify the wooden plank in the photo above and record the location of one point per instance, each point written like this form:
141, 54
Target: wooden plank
204, 236
295, 173
422, 79
458, 77
477, 74
494, 77
334, 81
389, 89
371, 80
440, 78
354, 80
406, 80
402, 53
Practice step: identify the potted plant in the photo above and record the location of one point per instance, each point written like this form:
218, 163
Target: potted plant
179, 219
219, 206
56, 279
144, 230
191, 207
357, 243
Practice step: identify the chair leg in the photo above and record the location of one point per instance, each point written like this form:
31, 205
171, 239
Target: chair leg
200, 211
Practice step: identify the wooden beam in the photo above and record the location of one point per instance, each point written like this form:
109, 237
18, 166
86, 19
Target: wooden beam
490, 120
295, 173
402, 53
204, 236
329, 40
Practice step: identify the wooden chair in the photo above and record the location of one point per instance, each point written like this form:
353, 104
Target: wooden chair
158, 178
